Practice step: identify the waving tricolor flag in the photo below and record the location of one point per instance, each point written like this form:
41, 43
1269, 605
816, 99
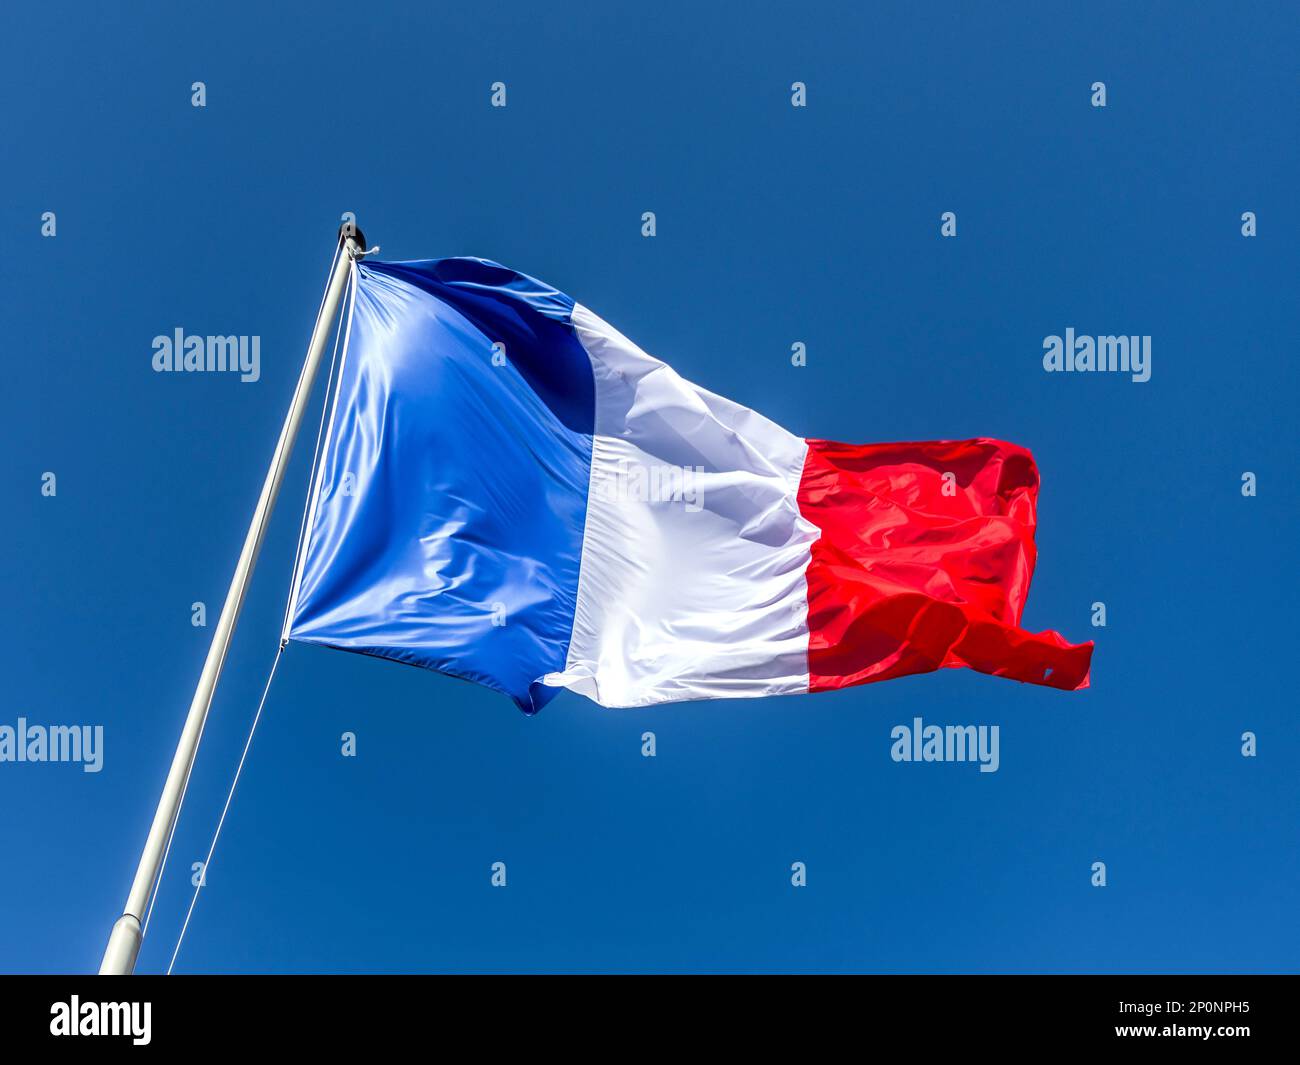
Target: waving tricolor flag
513, 492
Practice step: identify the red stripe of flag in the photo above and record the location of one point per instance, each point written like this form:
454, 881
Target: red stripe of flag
910, 576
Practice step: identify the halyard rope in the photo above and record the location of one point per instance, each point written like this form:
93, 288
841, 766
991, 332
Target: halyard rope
203, 872
302, 528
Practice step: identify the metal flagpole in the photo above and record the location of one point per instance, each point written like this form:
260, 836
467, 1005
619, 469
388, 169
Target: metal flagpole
124, 942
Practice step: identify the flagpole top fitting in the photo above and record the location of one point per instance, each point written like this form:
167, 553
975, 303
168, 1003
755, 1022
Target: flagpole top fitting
351, 231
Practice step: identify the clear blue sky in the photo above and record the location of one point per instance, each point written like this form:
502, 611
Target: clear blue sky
775, 225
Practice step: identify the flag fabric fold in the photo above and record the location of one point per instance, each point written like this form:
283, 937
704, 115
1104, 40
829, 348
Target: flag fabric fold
514, 493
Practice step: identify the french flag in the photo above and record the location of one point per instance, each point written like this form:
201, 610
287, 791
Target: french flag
512, 492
